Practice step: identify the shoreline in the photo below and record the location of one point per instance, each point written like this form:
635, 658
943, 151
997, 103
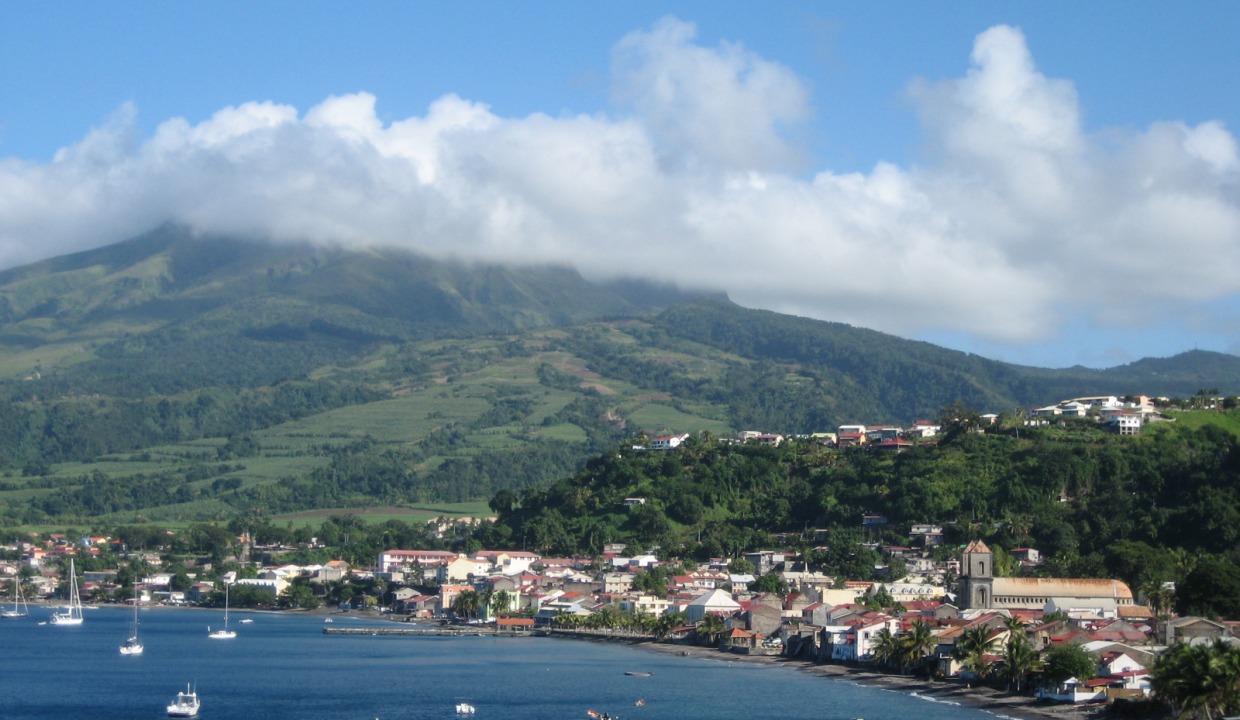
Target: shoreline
996, 702
987, 699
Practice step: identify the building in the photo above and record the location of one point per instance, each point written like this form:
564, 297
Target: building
980, 589
390, 560
668, 442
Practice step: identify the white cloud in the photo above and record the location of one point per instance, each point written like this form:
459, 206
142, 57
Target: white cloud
1017, 219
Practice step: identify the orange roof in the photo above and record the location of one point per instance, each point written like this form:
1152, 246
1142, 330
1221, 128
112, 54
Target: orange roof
977, 546
515, 622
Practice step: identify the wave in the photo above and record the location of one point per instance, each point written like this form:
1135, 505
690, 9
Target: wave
928, 698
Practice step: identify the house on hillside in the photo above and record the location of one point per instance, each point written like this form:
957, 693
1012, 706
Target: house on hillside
668, 442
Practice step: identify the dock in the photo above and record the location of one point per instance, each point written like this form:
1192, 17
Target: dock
448, 631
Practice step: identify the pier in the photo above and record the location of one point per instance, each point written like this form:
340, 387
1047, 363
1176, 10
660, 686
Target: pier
448, 631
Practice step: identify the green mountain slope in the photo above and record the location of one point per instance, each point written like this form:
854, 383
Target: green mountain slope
179, 377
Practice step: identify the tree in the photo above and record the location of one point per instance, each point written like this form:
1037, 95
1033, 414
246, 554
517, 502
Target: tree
1019, 659
885, 647
1069, 660
1212, 588
897, 569
711, 628
916, 644
298, 595
882, 598
740, 566
1199, 680
972, 647
503, 503
501, 602
958, 418
466, 604
772, 583
653, 581
664, 624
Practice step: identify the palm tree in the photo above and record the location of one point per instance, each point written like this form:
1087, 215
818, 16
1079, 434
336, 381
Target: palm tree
667, 621
916, 644
501, 602
1014, 625
712, 627
1199, 681
1161, 599
466, 604
1019, 659
973, 646
885, 647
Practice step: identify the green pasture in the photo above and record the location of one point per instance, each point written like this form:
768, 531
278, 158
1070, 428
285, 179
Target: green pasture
657, 417
418, 515
1229, 421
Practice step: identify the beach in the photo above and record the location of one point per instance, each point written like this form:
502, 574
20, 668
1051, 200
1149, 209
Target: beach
985, 698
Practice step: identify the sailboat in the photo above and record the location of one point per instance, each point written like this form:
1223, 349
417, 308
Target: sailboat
73, 615
223, 633
20, 610
132, 645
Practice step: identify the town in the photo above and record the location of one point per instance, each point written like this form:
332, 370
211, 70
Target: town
1065, 640
966, 615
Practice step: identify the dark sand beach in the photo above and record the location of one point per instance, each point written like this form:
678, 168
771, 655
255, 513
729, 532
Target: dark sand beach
982, 698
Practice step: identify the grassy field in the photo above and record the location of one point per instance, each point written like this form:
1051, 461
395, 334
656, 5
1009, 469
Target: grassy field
412, 515
468, 379
1228, 421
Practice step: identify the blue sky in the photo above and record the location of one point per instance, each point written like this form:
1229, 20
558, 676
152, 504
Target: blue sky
1044, 183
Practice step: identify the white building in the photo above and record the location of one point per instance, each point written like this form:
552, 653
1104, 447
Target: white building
715, 601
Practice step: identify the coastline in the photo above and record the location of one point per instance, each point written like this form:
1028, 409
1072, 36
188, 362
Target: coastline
983, 698
997, 702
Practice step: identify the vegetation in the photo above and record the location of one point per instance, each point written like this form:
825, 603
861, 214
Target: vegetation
1151, 509
175, 379
210, 385
1200, 681
1068, 660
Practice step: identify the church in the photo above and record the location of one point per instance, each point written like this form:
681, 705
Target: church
980, 589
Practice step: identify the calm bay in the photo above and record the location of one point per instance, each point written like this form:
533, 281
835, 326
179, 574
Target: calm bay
283, 666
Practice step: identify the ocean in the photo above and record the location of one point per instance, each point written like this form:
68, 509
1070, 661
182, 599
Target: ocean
283, 666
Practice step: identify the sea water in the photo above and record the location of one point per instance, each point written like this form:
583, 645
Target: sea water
284, 666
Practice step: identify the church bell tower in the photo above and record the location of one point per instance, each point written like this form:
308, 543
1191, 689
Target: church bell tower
977, 577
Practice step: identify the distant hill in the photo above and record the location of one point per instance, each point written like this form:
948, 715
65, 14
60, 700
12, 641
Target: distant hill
198, 377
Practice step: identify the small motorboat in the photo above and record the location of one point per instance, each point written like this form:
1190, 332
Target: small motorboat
465, 709
186, 704
637, 673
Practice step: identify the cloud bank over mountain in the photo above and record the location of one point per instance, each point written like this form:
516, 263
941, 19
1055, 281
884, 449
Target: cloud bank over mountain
1015, 221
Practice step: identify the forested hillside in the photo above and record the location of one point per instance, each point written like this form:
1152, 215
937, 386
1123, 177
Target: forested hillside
179, 378
1147, 509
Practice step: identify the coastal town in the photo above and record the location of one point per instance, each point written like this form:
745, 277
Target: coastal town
954, 623
967, 619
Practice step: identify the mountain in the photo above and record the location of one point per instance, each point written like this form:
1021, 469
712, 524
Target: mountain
179, 377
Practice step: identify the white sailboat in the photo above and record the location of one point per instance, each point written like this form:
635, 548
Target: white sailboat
73, 614
186, 704
132, 645
222, 633
20, 610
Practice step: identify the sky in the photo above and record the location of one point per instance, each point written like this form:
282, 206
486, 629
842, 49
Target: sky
1048, 184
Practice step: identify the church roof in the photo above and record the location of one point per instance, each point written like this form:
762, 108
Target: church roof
977, 546
1061, 588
